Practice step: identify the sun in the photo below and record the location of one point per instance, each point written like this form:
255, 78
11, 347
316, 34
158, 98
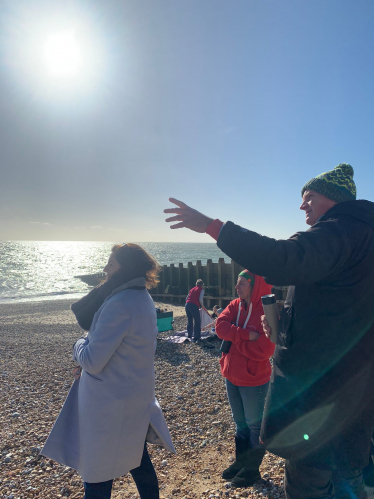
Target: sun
57, 54
62, 55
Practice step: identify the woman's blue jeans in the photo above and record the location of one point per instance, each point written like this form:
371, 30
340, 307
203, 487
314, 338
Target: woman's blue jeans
144, 476
247, 407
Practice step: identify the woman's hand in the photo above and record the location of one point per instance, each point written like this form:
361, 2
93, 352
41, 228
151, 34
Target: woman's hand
77, 371
212, 324
253, 335
265, 326
187, 217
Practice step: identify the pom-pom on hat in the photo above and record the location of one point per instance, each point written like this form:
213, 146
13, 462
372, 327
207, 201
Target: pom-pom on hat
337, 184
248, 275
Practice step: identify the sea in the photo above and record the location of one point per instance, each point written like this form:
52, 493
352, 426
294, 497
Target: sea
50, 270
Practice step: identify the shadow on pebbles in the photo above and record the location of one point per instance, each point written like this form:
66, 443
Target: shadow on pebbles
36, 374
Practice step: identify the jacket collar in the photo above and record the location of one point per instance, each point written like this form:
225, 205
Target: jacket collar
139, 281
360, 209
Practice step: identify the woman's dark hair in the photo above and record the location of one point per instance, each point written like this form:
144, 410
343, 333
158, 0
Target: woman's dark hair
135, 262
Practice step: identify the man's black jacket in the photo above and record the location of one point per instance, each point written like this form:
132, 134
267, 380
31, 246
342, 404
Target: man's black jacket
320, 405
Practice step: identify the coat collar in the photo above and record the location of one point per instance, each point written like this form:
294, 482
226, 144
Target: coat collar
139, 281
360, 209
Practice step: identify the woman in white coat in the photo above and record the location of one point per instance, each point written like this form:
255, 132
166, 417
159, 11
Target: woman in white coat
111, 409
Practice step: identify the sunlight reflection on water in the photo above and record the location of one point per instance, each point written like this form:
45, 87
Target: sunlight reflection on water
37, 270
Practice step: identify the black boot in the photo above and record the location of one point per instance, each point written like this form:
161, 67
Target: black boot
250, 473
241, 448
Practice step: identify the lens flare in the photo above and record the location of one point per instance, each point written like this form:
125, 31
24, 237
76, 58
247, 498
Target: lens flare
62, 54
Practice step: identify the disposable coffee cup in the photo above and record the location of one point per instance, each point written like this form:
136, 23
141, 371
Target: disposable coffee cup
270, 306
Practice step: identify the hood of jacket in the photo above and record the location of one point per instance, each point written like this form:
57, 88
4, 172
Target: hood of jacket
361, 209
260, 288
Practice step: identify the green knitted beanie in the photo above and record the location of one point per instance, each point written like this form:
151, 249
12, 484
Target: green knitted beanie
337, 184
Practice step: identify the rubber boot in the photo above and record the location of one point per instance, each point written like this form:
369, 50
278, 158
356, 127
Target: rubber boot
241, 448
250, 473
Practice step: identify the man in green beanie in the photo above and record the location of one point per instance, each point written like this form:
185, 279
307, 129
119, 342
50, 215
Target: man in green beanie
319, 413
324, 191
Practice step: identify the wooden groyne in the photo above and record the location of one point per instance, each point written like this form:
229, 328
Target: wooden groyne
176, 280
219, 279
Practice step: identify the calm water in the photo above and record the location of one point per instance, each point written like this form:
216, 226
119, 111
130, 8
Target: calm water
39, 270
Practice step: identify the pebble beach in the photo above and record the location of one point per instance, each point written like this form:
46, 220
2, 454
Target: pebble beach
36, 374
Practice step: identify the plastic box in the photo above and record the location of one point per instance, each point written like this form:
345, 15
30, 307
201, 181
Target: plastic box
164, 321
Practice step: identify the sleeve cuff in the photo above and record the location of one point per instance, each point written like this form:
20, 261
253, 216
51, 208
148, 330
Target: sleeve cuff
214, 228
77, 344
243, 335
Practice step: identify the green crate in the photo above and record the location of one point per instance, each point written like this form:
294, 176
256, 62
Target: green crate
164, 321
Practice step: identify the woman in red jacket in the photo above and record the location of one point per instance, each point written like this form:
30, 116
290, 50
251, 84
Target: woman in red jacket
247, 370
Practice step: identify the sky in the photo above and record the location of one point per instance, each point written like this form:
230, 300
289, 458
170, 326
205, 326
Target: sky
230, 106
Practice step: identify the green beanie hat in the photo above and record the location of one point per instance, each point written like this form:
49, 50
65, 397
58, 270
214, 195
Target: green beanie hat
248, 275
337, 184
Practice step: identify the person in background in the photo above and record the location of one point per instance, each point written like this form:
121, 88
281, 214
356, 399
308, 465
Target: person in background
111, 409
247, 370
319, 412
216, 313
215, 309
194, 302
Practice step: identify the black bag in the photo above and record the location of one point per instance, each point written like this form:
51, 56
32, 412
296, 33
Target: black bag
225, 346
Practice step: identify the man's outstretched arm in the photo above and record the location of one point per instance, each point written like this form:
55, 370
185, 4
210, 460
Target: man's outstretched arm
306, 257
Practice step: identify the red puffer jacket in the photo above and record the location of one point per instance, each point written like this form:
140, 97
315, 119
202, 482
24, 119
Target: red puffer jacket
247, 363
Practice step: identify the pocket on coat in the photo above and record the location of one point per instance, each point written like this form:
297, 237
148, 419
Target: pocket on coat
94, 377
252, 367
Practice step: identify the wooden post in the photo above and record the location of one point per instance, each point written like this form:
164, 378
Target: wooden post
172, 267
185, 278
209, 278
161, 287
180, 280
234, 275
221, 279
199, 273
166, 278
190, 276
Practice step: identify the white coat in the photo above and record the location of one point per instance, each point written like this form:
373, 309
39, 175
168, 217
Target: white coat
111, 410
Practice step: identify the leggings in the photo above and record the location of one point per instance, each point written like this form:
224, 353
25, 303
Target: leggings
144, 477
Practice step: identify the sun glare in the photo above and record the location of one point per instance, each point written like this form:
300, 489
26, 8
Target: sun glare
60, 50
62, 55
